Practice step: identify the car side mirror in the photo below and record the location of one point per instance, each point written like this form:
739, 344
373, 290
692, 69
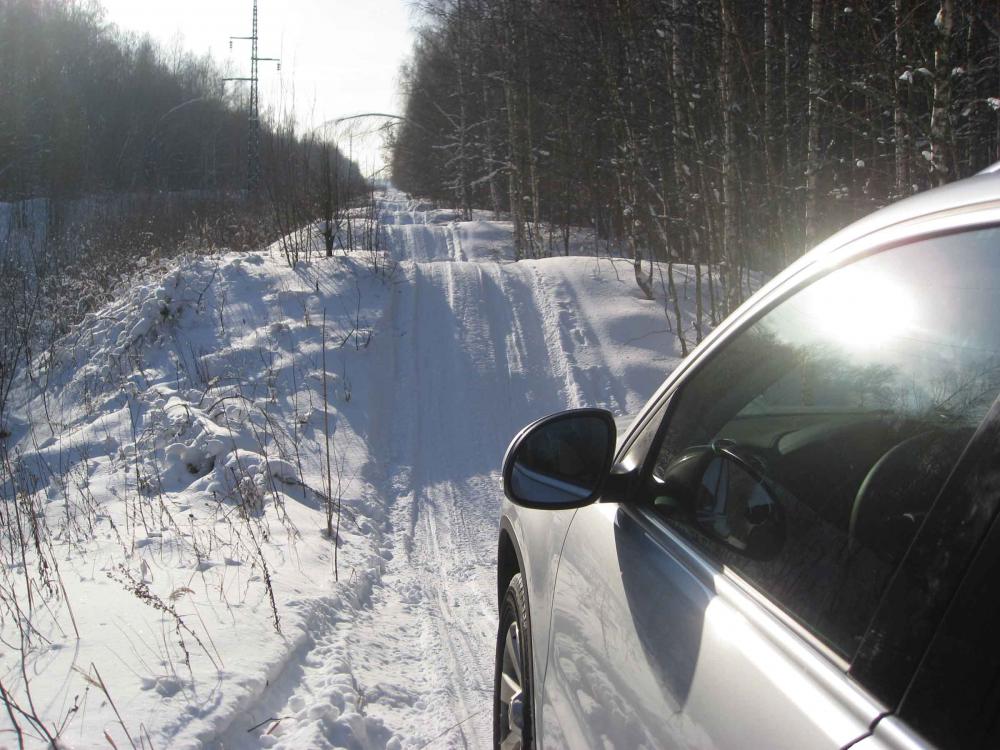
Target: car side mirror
726, 497
560, 461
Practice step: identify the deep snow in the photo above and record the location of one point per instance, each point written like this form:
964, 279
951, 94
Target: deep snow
180, 465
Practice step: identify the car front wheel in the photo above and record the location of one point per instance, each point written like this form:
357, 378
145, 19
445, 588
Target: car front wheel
512, 689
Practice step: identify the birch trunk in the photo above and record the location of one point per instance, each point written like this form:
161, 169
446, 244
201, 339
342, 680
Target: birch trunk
680, 177
729, 246
941, 144
813, 114
900, 135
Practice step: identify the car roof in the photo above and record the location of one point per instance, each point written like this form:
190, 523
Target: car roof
978, 192
983, 188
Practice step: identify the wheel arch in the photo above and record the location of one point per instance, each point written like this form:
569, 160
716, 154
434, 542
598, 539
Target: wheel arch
509, 561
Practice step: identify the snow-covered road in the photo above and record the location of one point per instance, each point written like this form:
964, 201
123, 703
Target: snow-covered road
469, 351
465, 361
468, 369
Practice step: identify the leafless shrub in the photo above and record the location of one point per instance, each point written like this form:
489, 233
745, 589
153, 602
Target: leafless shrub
140, 590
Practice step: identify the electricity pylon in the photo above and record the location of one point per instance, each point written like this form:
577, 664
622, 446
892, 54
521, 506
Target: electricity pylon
253, 136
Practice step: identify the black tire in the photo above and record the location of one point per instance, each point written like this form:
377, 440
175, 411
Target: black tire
513, 612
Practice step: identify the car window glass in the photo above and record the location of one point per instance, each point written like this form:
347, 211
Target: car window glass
852, 399
954, 697
640, 445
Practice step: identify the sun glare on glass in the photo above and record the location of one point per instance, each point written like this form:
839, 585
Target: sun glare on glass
863, 310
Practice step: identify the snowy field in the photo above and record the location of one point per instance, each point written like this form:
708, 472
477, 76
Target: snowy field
259, 505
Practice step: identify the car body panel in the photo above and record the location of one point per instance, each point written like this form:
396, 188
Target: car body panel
537, 536
651, 647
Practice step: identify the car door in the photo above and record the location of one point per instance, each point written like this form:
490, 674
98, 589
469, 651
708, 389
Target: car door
953, 699
851, 399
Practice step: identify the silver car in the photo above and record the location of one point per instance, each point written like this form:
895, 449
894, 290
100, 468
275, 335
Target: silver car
795, 544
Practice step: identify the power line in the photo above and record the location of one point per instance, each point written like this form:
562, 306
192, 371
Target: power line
253, 135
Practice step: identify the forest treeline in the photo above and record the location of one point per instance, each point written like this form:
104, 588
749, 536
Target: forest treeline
87, 108
730, 132
114, 151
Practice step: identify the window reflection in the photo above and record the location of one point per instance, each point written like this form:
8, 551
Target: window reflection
859, 309
857, 393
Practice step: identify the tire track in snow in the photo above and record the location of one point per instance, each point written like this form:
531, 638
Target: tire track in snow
476, 366
574, 343
560, 346
467, 334
455, 374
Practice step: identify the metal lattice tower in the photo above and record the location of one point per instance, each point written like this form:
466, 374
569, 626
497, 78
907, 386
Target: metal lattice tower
253, 135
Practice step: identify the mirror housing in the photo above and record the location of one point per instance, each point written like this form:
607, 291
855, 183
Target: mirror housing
560, 461
726, 497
